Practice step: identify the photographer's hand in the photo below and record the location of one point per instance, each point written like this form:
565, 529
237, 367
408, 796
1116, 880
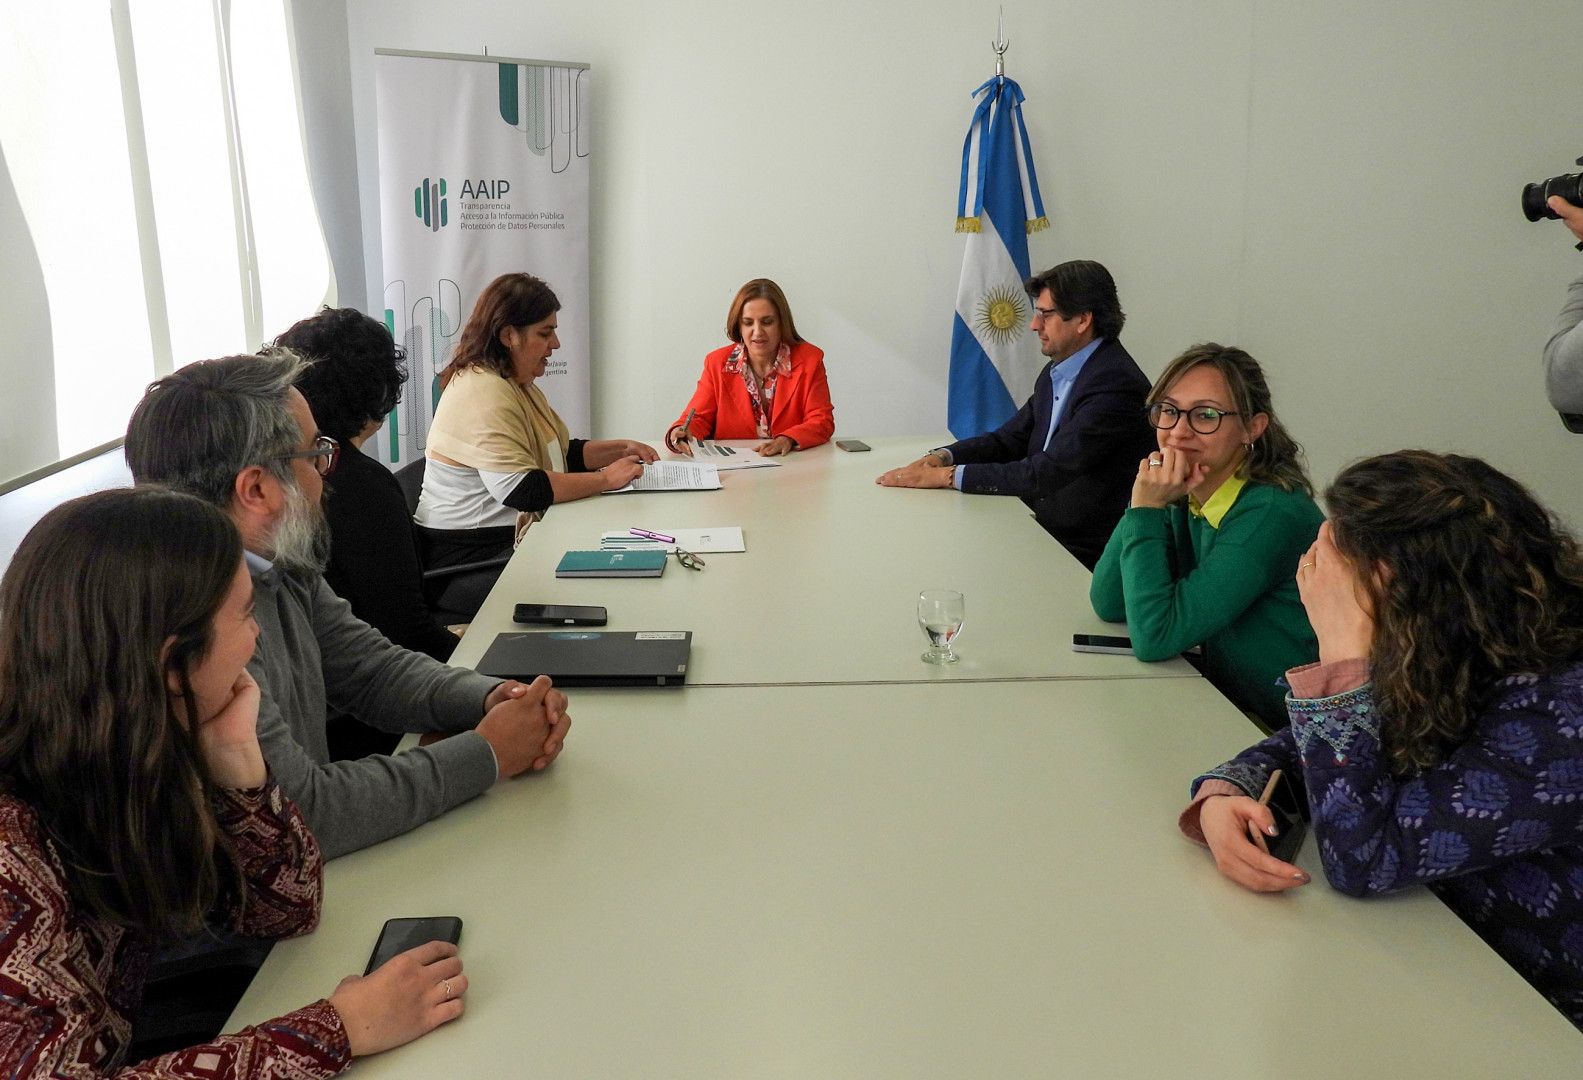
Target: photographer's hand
1572, 215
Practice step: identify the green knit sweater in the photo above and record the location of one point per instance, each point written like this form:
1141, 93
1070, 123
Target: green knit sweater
1179, 581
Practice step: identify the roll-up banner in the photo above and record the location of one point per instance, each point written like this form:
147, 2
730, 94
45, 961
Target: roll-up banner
483, 170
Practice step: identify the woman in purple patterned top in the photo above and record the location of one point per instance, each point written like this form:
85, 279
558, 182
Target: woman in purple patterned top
1439, 739
135, 805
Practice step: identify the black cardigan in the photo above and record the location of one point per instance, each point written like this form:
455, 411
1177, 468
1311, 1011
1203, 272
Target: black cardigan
374, 561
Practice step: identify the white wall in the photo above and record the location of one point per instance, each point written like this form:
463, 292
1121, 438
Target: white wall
1331, 185
28, 439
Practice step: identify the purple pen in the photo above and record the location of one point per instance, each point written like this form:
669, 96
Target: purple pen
653, 536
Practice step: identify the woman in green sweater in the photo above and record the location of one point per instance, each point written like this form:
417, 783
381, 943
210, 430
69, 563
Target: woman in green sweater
1220, 516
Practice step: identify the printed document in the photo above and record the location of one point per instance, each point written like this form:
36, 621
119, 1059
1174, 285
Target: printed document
728, 458
674, 476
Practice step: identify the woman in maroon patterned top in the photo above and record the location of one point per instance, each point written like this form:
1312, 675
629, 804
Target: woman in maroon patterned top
135, 804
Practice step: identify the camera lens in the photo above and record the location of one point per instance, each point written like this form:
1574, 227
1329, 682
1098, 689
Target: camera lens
1534, 206
1569, 186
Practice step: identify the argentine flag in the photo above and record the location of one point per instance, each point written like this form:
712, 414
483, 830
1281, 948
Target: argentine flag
994, 356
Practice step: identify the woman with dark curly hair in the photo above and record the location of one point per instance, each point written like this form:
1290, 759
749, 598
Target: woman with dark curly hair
1439, 739
1218, 515
353, 380
136, 807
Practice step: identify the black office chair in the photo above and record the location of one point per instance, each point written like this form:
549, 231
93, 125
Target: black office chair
436, 580
410, 477
191, 991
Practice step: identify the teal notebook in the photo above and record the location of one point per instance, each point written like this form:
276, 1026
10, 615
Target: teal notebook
611, 564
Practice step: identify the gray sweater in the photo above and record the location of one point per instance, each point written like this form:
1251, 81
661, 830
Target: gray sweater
1564, 355
313, 653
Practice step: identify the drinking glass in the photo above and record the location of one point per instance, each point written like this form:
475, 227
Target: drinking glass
941, 613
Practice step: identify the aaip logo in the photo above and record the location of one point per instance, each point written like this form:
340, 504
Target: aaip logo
485, 189
430, 204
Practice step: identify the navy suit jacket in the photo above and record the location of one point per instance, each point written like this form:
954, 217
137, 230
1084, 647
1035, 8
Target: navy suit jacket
1080, 486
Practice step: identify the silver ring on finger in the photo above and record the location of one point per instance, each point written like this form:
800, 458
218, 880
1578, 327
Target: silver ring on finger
447, 984
1155, 464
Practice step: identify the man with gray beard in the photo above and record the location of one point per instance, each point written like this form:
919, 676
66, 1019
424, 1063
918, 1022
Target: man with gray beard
237, 433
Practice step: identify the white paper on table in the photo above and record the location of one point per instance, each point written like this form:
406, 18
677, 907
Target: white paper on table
729, 458
698, 541
674, 476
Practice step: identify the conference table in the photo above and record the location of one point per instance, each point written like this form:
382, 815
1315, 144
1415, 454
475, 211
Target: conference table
825, 858
827, 590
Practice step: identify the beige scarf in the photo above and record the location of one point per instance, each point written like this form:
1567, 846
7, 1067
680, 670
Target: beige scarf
486, 421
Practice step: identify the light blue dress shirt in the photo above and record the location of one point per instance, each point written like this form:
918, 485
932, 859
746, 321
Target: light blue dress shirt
1062, 376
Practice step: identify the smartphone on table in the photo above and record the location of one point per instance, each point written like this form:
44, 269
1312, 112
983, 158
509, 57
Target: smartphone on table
399, 935
1102, 643
560, 615
852, 446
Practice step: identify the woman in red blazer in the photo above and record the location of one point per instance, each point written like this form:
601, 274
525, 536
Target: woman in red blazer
769, 385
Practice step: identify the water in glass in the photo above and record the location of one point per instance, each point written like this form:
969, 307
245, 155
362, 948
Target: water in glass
941, 613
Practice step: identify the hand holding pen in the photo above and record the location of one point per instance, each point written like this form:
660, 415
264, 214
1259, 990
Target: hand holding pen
684, 445
621, 472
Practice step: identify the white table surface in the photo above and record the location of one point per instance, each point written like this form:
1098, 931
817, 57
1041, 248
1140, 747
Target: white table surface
827, 590
964, 880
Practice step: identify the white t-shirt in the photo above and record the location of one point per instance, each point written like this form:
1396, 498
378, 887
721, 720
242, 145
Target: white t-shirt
456, 497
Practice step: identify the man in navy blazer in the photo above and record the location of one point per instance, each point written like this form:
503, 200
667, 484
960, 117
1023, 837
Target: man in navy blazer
1072, 452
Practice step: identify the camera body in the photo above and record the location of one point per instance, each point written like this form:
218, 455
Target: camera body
1568, 185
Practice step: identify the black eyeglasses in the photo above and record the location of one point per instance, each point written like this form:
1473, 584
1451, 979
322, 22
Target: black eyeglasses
688, 559
325, 453
1202, 418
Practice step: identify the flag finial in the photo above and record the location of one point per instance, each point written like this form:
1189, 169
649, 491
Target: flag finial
1000, 44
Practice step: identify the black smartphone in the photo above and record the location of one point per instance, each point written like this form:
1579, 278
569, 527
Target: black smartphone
560, 615
399, 935
1102, 643
852, 446
1287, 809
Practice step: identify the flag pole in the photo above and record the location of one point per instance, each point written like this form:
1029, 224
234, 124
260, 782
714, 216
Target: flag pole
994, 360
1000, 44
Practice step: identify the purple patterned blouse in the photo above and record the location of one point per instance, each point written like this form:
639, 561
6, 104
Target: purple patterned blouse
1496, 830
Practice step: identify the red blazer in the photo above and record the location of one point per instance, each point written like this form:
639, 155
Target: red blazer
801, 409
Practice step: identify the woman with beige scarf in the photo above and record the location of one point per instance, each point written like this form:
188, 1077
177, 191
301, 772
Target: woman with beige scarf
498, 455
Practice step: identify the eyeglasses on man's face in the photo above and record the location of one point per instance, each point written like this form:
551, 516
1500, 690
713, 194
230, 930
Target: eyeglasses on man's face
1203, 419
325, 453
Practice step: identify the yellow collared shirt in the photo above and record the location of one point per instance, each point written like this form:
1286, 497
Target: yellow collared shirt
1219, 503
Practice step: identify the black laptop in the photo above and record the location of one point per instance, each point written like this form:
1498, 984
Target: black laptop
591, 657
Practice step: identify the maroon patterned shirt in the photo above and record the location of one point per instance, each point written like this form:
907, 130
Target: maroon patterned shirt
762, 402
70, 983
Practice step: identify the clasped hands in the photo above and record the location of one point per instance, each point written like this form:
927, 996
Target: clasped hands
1165, 476
525, 725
